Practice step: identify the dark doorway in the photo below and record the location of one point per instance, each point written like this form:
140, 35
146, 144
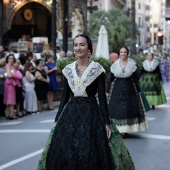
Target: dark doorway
32, 20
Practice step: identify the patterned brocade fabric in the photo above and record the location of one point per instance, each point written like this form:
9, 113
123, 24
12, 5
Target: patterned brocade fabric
83, 151
124, 104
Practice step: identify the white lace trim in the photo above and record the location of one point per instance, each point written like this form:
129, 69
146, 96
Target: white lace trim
78, 84
152, 66
128, 71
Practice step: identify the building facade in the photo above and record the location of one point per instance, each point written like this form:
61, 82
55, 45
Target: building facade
32, 18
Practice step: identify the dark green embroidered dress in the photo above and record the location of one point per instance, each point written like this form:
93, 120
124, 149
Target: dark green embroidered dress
151, 83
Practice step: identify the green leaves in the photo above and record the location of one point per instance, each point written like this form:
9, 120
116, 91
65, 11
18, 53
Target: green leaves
117, 25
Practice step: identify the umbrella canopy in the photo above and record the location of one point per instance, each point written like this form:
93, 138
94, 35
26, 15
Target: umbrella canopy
102, 49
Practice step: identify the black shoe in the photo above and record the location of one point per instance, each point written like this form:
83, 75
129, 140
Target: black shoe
124, 135
153, 107
50, 108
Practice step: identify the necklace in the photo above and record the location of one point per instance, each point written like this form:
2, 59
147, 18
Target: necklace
80, 70
123, 67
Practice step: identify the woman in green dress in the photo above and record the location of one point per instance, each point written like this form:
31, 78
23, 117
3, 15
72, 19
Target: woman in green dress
151, 81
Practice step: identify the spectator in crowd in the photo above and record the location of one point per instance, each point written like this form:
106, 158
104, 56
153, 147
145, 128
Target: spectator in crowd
30, 101
11, 81
113, 56
2, 80
19, 91
69, 55
33, 59
50, 69
23, 59
1, 49
41, 84
2, 55
164, 67
62, 55
29, 55
45, 53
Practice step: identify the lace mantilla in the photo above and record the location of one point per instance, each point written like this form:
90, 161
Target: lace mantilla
78, 84
152, 66
126, 72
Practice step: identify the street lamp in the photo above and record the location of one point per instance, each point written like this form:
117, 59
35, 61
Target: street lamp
160, 38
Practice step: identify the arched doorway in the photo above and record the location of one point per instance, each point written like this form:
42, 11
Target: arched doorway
32, 20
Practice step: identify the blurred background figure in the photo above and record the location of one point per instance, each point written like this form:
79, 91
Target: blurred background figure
50, 69
22, 58
113, 56
30, 100
69, 55
164, 67
29, 55
62, 55
12, 80
41, 84
1, 49
2, 81
9, 88
19, 91
33, 59
45, 53
151, 81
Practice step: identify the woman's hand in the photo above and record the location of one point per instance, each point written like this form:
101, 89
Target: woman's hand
39, 77
55, 68
53, 125
108, 130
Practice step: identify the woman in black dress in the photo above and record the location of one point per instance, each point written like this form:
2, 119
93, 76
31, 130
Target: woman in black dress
82, 137
125, 105
41, 83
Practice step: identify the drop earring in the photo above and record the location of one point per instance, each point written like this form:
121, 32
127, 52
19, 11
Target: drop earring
89, 54
75, 54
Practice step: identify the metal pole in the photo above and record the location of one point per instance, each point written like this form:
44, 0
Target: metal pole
91, 6
1, 22
133, 29
65, 31
53, 29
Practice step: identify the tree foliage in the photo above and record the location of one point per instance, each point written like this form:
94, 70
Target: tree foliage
117, 25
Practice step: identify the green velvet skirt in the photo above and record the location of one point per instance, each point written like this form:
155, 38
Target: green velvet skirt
153, 89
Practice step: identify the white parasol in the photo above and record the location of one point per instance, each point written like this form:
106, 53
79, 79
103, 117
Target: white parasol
102, 49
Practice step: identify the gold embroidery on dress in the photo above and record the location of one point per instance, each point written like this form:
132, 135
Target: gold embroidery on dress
79, 83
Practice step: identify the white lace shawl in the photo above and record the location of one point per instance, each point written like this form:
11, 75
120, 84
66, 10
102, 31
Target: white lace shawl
78, 84
128, 71
152, 66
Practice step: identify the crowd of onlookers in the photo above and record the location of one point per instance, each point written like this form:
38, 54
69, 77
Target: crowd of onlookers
26, 82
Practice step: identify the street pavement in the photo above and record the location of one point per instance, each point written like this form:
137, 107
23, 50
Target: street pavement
22, 140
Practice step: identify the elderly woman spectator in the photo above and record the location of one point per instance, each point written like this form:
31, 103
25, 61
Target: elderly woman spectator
41, 83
